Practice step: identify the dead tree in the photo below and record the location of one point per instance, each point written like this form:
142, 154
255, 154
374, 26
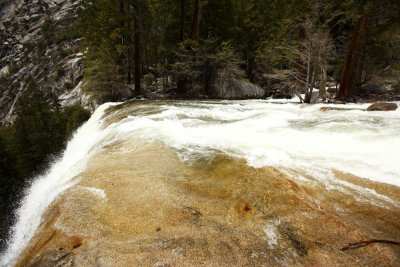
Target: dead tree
309, 58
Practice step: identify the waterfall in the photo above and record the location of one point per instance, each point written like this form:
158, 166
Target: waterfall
47, 187
285, 135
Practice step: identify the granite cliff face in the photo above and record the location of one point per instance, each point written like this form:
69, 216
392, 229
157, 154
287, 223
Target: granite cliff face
37, 42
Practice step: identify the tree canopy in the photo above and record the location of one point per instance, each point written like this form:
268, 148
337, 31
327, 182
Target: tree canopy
256, 30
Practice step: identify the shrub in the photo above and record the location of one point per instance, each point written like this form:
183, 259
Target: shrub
60, 72
74, 116
68, 85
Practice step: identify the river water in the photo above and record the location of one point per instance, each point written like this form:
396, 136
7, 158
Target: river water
365, 144
299, 140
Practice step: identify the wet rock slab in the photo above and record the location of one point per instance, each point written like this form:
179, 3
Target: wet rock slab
138, 204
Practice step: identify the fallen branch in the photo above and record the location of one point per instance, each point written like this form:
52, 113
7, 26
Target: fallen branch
368, 242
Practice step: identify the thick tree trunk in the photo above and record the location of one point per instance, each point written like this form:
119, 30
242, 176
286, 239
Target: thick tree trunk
310, 84
361, 48
137, 46
122, 56
307, 96
182, 21
182, 84
322, 83
146, 51
130, 58
352, 71
130, 67
197, 14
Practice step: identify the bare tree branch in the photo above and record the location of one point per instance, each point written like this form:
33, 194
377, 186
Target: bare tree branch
368, 242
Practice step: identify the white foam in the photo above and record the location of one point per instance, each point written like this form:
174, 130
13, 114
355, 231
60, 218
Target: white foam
97, 192
366, 144
271, 234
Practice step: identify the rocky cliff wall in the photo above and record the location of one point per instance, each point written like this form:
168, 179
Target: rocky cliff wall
38, 41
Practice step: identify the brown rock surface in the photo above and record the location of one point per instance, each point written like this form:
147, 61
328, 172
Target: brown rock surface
158, 211
381, 106
337, 109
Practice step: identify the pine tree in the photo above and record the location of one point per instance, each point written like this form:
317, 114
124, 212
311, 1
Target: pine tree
137, 60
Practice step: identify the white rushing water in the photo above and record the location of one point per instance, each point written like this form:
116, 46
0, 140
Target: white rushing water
286, 135
45, 188
366, 144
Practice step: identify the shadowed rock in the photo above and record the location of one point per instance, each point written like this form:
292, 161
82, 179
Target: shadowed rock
237, 89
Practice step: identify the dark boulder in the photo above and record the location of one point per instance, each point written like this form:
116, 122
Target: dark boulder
236, 89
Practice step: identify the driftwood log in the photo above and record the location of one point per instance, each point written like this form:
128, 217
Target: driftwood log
368, 242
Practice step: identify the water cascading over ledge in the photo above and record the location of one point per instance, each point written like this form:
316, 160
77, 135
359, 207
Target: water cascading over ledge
216, 183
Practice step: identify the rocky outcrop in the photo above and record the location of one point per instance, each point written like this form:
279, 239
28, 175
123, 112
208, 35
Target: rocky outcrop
37, 42
382, 107
236, 89
334, 109
381, 88
157, 211
76, 96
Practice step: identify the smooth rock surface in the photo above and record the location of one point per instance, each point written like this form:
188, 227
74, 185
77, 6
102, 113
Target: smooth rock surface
382, 107
157, 212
